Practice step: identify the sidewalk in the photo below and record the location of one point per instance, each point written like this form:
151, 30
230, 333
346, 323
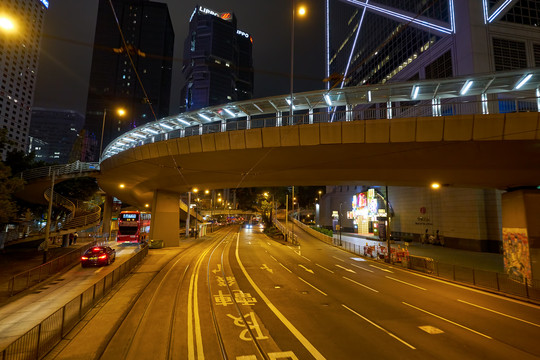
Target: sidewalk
19, 258
471, 259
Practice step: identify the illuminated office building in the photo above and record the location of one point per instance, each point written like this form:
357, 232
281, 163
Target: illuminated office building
149, 36
372, 42
19, 55
218, 65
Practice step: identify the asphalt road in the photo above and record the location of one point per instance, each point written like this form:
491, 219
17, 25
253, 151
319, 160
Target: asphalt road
236, 294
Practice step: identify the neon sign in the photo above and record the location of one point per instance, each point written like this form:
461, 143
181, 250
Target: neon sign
242, 33
45, 2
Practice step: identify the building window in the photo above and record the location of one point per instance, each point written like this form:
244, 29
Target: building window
509, 55
525, 12
536, 49
440, 68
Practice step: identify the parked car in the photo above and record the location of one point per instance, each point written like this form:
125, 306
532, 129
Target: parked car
98, 255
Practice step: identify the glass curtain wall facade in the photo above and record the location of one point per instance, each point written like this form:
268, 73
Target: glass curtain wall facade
19, 56
149, 36
218, 65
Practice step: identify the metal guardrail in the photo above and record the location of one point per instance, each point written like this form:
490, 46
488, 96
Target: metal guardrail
288, 235
488, 280
29, 278
68, 169
42, 338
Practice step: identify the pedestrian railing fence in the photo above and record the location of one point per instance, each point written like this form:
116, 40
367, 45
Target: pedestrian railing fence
488, 280
42, 338
29, 278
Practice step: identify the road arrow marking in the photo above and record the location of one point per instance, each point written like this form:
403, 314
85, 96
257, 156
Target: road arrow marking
380, 268
344, 268
305, 268
265, 267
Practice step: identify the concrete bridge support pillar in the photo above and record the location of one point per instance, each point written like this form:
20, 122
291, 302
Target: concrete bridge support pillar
279, 118
248, 122
107, 215
348, 113
521, 234
311, 115
165, 218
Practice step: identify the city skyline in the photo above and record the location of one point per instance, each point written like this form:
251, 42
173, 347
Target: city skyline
68, 41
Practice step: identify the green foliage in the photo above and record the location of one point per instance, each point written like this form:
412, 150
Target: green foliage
8, 185
19, 161
323, 230
81, 188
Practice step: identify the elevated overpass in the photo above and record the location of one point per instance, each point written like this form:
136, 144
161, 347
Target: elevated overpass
478, 131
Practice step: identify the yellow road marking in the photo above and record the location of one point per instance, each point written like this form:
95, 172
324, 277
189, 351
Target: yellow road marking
379, 327
357, 283
450, 321
404, 282
285, 267
324, 268
322, 292
380, 268
500, 313
309, 347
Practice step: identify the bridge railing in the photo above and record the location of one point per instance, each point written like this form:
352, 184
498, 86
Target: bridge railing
510, 103
74, 168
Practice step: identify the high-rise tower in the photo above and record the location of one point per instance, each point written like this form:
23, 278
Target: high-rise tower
218, 65
149, 36
19, 55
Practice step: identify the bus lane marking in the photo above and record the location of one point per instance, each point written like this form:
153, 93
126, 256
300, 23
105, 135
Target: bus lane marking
499, 313
357, 283
449, 321
251, 321
322, 292
362, 268
325, 268
379, 327
303, 340
404, 282
344, 268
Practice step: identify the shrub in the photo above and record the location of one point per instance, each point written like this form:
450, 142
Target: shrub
327, 232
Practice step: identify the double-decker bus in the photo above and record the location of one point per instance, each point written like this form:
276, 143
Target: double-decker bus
133, 227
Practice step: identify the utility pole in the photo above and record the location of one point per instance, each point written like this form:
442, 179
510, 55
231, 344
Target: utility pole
340, 204
188, 214
49, 221
286, 216
387, 225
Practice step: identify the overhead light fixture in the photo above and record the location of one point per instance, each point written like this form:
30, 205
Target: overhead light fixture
415, 90
230, 112
466, 87
151, 131
182, 121
523, 80
205, 117
327, 99
258, 108
168, 127
289, 103
369, 96
435, 185
129, 139
139, 135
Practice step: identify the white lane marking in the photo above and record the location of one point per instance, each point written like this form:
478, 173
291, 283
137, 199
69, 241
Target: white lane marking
98, 270
273, 257
379, 327
335, 257
344, 268
357, 283
269, 244
450, 321
285, 267
324, 268
362, 268
404, 282
322, 292
382, 269
305, 258
500, 313
309, 347
305, 268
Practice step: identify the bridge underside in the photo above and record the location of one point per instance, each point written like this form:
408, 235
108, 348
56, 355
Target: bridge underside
486, 164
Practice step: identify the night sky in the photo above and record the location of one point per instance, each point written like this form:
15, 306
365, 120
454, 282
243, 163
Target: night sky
66, 47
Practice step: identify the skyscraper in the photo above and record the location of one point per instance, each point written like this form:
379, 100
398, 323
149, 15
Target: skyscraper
395, 40
53, 134
218, 65
149, 43
19, 54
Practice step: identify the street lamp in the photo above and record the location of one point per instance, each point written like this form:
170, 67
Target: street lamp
120, 112
301, 12
7, 24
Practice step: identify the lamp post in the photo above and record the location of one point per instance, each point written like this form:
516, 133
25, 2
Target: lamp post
302, 12
120, 112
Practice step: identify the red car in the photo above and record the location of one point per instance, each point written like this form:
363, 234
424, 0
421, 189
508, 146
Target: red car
98, 255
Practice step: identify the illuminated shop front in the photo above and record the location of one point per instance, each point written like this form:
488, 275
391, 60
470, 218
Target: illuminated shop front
368, 214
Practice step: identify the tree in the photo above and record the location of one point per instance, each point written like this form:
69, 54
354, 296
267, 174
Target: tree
82, 188
8, 185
